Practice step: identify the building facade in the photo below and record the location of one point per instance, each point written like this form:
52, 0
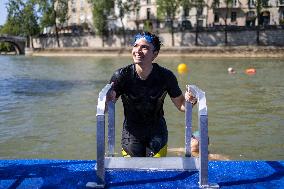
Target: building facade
80, 13
236, 13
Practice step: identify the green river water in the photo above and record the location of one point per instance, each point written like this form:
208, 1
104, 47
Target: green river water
48, 106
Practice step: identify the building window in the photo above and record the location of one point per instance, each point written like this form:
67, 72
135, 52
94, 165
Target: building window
265, 3
250, 14
199, 11
233, 16
186, 11
148, 2
250, 18
82, 4
148, 13
137, 13
73, 19
281, 2
216, 18
251, 3
82, 18
200, 23
235, 3
73, 4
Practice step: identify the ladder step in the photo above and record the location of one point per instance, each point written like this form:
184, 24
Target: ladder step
149, 163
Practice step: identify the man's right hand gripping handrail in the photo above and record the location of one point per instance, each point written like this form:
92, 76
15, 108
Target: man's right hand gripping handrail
200, 95
101, 107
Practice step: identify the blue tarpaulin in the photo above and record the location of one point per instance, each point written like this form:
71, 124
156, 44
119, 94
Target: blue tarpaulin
76, 173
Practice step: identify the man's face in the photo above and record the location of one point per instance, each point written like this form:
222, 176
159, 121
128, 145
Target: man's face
143, 52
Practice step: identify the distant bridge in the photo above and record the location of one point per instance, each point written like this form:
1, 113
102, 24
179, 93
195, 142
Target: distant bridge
19, 43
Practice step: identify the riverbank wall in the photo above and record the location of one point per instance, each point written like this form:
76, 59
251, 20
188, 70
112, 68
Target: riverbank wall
240, 43
203, 38
240, 51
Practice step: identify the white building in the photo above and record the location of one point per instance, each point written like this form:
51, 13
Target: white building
239, 13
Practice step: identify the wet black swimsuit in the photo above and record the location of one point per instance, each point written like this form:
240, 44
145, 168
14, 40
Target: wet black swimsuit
144, 129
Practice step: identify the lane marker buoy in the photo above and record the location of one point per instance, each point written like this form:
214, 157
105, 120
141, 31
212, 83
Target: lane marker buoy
250, 71
182, 68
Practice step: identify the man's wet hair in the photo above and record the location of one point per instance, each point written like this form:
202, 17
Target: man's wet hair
150, 38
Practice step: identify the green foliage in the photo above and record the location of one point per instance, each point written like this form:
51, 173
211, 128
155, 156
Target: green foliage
6, 47
147, 26
13, 25
167, 9
100, 9
30, 24
259, 7
21, 19
126, 7
62, 11
48, 18
53, 11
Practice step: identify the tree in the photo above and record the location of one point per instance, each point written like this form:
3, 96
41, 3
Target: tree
53, 12
186, 5
199, 5
13, 25
167, 9
259, 7
21, 19
30, 21
101, 10
229, 3
125, 7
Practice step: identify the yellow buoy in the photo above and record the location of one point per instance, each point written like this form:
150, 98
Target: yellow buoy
182, 68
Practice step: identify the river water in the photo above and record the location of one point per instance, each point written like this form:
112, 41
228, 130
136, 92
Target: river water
48, 106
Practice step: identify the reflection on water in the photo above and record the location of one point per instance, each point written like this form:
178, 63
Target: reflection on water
48, 106
39, 87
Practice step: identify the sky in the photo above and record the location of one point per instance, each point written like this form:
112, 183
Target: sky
3, 11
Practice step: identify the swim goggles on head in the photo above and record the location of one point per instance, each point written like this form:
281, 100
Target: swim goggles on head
147, 37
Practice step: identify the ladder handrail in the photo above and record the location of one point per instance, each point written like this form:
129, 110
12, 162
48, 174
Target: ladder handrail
101, 110
203, 129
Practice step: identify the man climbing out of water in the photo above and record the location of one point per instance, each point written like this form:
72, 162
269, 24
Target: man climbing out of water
143, 86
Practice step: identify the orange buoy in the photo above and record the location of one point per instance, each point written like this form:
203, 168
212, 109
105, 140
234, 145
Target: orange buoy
250, 71
182, 68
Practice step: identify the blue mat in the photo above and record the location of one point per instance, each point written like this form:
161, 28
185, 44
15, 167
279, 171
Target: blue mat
76, 173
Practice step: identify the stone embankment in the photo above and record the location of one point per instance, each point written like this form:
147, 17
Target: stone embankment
219, 51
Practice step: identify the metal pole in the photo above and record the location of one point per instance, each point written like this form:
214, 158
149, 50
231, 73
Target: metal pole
203, 152
100, 166
100, 150
111, 128
188, 128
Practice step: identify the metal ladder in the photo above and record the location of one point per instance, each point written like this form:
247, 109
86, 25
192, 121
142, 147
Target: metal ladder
108, 161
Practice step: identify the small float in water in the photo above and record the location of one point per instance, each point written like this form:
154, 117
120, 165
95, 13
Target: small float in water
250, 71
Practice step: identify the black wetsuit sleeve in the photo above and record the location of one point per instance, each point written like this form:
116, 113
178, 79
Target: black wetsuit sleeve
117, 80
172, 85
